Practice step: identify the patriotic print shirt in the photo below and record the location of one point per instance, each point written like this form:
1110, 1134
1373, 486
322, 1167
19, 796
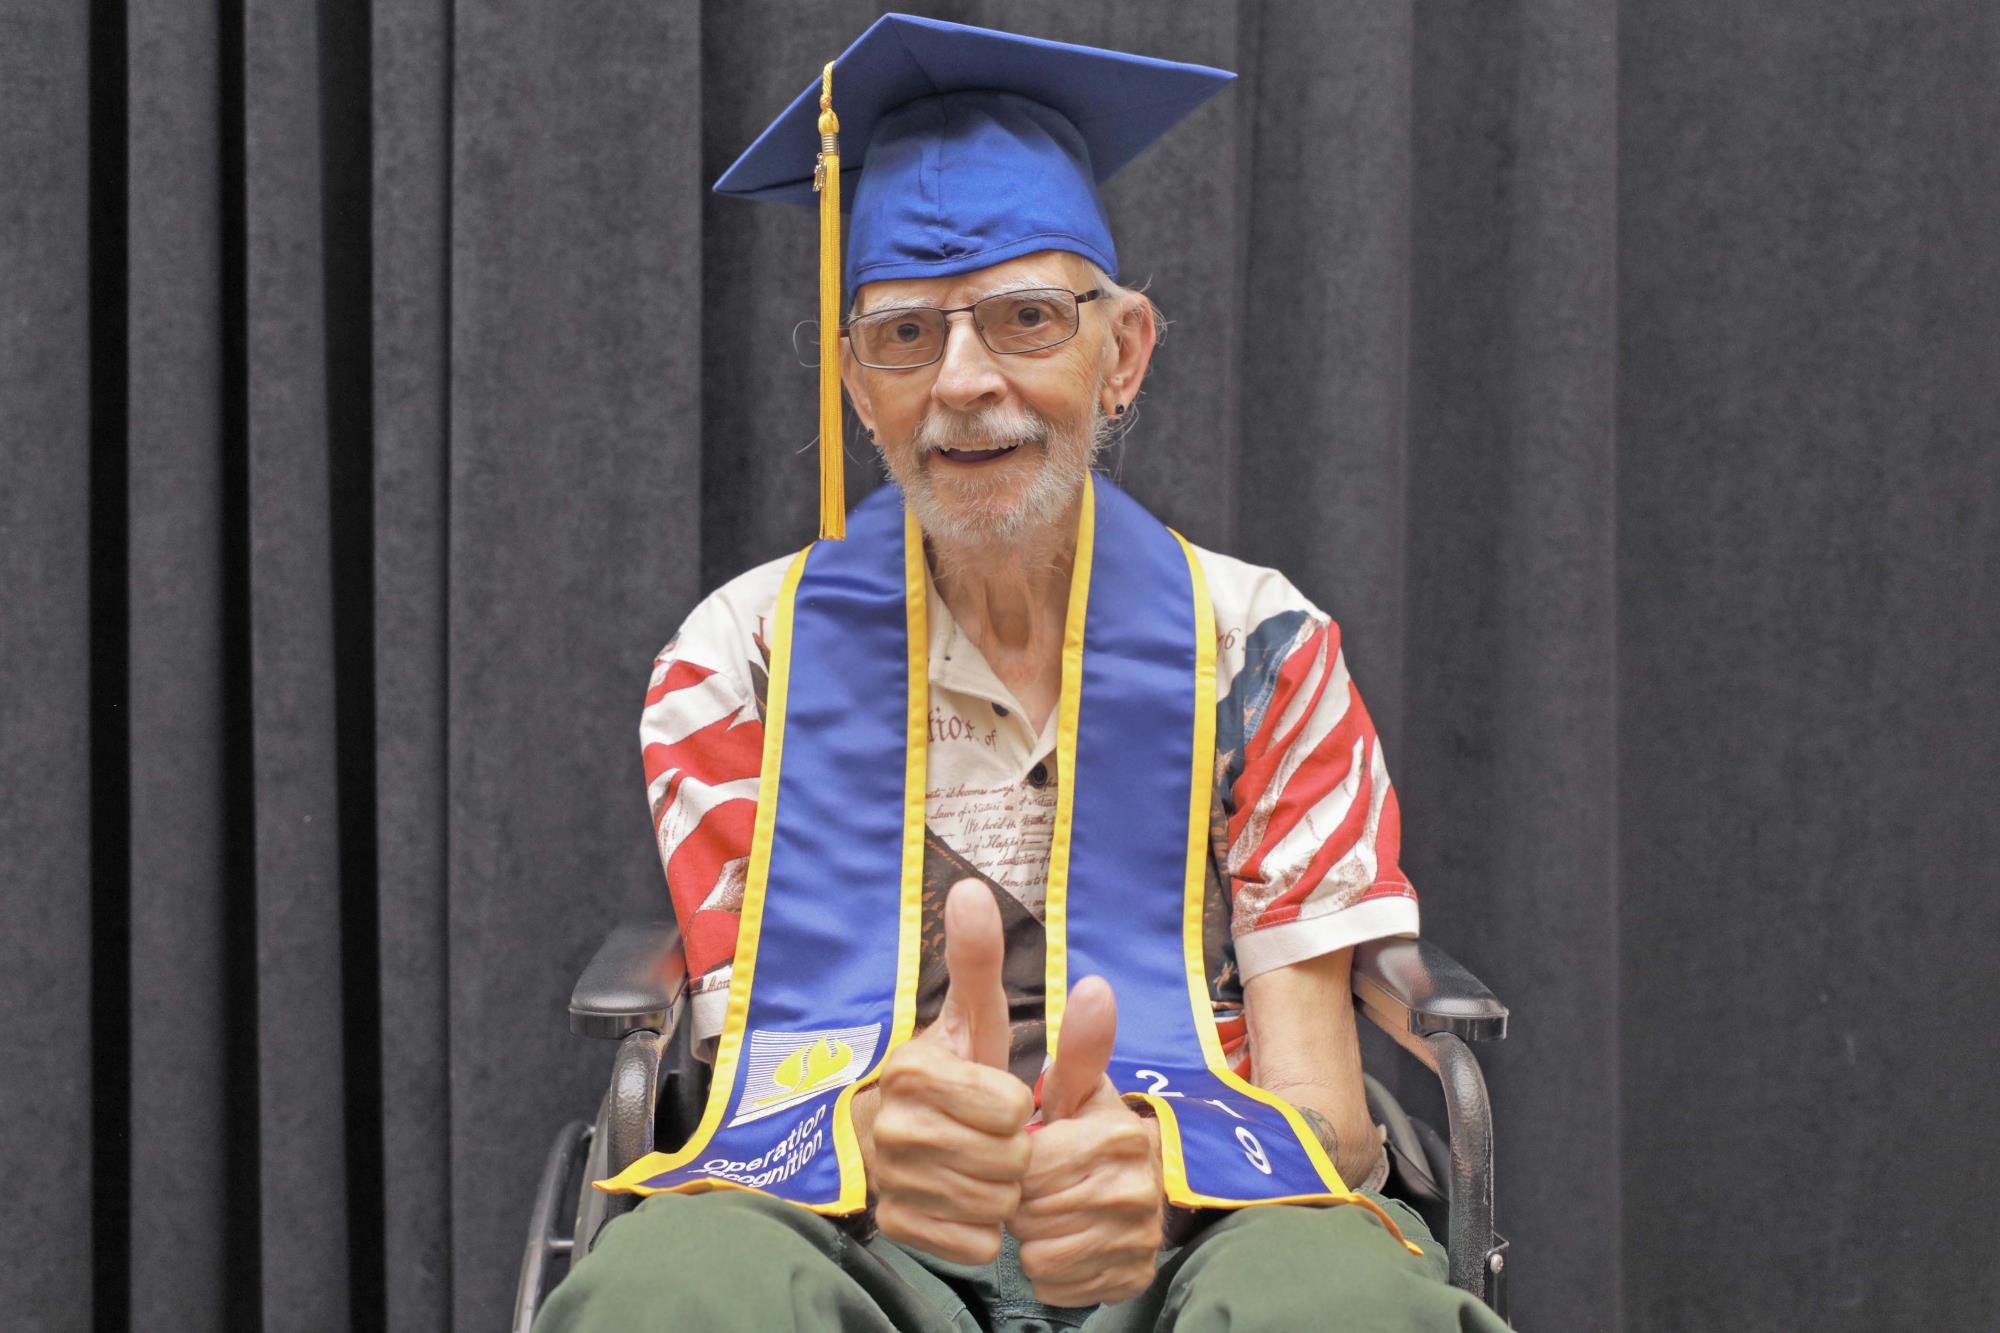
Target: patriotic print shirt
1305, 829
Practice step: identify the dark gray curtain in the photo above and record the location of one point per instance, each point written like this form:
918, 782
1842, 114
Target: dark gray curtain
379, 387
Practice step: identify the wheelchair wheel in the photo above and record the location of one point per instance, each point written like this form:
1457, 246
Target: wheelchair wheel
551, 1232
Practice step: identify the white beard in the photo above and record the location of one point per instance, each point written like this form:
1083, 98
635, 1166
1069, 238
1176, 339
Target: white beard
984, 514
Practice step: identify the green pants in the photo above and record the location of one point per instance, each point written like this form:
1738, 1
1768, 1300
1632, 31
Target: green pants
734, 1260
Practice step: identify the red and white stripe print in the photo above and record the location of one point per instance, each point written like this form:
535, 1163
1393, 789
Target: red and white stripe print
1314, 817
703, 745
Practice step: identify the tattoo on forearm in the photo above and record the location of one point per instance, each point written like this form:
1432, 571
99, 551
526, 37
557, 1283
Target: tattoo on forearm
1322, 1129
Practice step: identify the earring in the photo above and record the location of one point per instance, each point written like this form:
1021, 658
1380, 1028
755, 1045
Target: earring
1119, 410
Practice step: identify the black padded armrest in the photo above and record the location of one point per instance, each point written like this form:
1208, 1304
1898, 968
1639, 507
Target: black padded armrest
634, 981
1421, 988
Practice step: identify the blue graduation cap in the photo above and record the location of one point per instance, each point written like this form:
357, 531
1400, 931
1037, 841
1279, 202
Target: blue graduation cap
961, 148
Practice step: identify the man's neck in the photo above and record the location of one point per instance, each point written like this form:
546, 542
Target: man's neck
1012, 601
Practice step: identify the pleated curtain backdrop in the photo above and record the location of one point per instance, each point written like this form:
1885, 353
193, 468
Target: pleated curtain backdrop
380, 386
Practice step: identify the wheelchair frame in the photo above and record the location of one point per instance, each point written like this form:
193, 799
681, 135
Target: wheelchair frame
633, 992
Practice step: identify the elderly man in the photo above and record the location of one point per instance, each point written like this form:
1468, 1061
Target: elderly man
885, 876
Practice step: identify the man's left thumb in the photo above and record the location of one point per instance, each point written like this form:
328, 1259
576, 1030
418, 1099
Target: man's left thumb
1083, 1049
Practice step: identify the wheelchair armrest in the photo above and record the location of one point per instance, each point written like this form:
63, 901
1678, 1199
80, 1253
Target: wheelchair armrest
634, 981
1415, 987
1424, 999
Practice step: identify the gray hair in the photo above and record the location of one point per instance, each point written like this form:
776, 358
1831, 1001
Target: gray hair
1119, 295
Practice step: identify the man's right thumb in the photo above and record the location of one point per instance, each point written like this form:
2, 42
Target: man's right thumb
974, 1016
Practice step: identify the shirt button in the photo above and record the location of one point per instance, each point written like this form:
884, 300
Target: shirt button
1038, 776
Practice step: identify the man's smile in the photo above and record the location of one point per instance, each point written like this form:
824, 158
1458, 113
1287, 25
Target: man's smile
977, 456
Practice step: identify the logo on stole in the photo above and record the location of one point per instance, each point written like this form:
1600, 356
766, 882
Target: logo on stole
785, 1068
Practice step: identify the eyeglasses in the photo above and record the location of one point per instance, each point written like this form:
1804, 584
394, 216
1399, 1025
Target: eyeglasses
911, 337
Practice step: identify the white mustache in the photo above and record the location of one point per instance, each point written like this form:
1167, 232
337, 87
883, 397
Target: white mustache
994, 428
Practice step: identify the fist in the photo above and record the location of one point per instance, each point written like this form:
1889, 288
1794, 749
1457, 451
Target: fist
950, 1147
1090, 1216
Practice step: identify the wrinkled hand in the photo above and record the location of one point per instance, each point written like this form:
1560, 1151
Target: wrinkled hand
1091, 1203
950, 1147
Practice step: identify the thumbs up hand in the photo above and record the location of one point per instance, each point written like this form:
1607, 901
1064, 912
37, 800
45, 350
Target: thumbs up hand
973, 1021
948, 1140
1090, 1216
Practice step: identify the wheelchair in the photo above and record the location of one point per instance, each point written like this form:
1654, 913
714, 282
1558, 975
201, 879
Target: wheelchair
633, 992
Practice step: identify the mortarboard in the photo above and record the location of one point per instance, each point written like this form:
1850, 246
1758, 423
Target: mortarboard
960, 148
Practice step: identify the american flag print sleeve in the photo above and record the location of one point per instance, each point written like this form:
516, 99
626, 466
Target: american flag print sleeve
701, 736
1314, 834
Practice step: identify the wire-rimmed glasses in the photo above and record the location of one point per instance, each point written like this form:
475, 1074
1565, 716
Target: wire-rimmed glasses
1031, 319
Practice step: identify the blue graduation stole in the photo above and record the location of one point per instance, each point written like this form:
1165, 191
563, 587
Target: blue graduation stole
825, 976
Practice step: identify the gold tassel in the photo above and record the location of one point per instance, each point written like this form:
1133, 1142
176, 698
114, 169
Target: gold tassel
826, 180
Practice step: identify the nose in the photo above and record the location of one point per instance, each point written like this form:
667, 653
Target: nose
967, 376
